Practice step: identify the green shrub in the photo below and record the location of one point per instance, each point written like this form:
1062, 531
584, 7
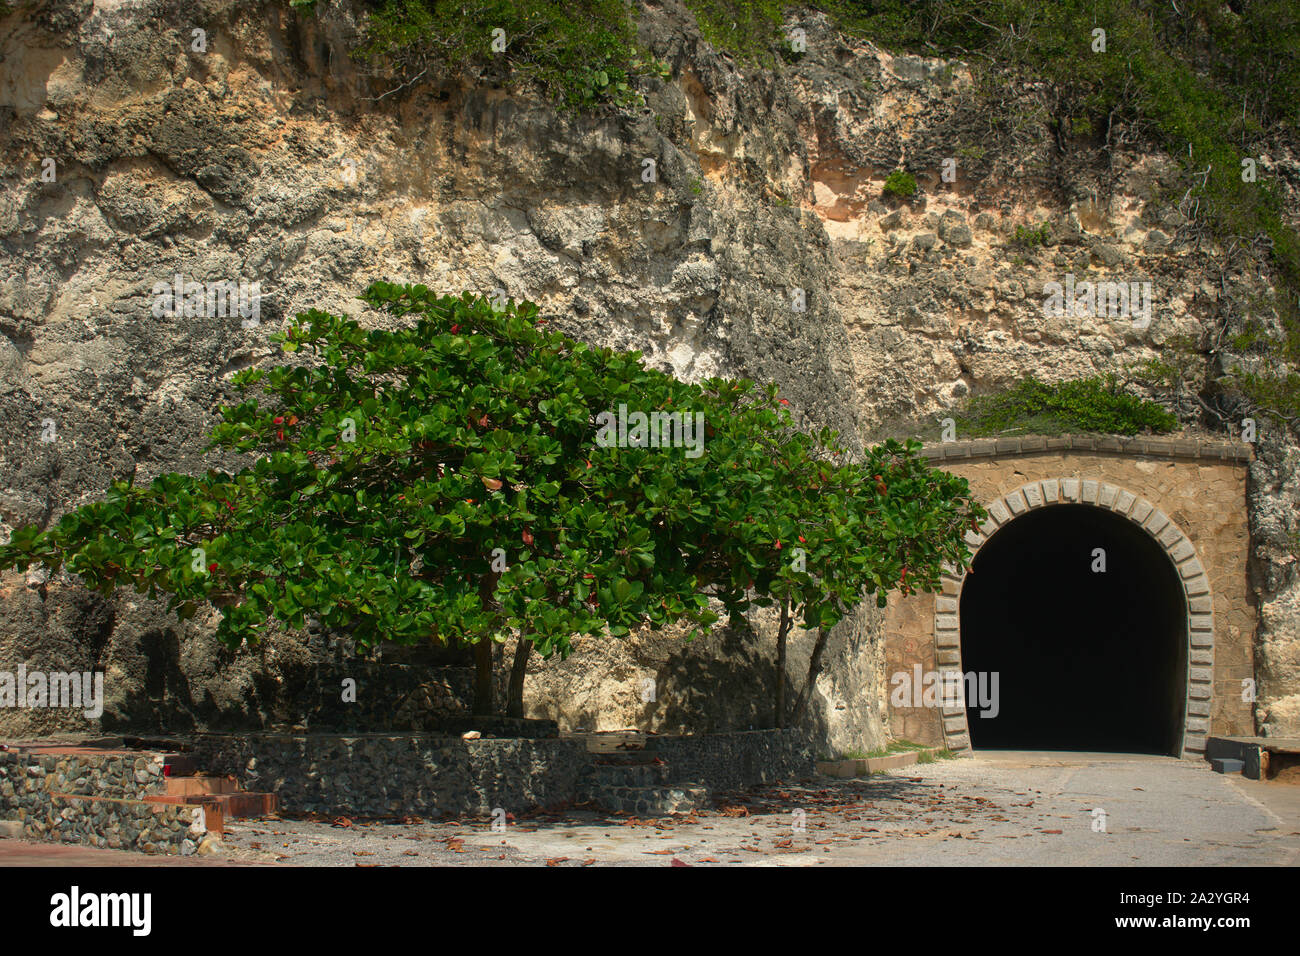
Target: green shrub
1031, 237
581, 53
900, 183
747, 28
1098, 404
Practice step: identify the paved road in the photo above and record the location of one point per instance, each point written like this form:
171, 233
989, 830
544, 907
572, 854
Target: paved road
1000, 808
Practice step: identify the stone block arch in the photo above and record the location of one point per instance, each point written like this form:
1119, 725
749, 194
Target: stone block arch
1099, 494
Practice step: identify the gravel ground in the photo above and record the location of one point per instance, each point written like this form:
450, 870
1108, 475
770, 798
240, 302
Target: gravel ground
996, 809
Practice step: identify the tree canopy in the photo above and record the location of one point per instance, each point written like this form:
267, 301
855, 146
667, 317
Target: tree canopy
473, 475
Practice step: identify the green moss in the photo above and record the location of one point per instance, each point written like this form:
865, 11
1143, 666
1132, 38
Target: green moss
944, 754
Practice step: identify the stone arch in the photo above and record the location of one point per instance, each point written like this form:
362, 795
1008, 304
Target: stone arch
1099, 494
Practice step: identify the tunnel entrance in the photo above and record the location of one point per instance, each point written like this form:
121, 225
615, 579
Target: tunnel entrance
1086, 659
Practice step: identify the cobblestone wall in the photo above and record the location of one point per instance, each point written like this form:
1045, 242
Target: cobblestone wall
380, 775
96, 800
737, 760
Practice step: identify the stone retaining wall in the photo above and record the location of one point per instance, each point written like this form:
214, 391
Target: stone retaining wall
380, 775
736, 760
120, 774
96, 800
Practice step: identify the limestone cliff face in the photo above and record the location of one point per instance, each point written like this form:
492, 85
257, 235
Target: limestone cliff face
268, 158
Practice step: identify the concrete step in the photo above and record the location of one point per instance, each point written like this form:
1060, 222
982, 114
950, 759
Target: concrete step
232, 805
863, 766
200, 785
613, 742
1275, 759
1227, 765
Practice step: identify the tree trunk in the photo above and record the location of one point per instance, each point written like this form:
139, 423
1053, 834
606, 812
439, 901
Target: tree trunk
814, 668
484, 705
484, 696
518, 671
782, 630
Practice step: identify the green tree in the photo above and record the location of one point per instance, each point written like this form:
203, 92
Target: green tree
451, 481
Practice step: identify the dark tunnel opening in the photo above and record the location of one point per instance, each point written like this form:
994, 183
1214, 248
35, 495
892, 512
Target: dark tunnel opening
1086, 660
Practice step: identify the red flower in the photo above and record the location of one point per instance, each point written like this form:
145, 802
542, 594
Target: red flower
278, 420
784, 402
455, 329
212, 566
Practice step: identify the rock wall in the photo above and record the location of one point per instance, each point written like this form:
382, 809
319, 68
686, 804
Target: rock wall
393, 775
379, 775
723, 681
238, 164
270, 159
97, 800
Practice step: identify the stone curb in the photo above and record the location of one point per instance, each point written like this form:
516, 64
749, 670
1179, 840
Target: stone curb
863, 766
1037, 444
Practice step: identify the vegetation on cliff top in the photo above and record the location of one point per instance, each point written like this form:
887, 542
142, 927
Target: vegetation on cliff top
1208, 81
581, 53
